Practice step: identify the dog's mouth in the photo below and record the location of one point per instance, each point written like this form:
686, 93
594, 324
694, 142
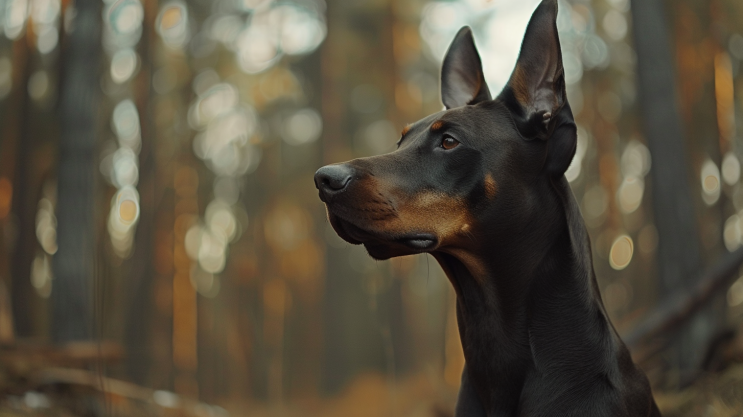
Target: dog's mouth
380, 244
420, 241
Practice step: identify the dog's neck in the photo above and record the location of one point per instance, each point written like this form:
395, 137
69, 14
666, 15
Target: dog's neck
548, 246
527, 298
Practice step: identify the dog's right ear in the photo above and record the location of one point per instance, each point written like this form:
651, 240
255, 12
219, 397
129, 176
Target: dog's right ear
536, 91
462, 80
536, 95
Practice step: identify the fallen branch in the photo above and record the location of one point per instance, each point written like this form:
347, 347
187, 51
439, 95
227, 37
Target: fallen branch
682, 306
92, 380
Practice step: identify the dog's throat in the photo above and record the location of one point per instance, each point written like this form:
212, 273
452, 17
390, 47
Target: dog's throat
466, 271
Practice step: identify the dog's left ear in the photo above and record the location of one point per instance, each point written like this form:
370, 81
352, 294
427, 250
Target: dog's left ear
462, 81
536, 95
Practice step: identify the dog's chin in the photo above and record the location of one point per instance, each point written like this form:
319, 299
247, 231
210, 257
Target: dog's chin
381, 246
339, 226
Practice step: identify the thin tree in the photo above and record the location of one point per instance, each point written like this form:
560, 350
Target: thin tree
679, 252
79, 100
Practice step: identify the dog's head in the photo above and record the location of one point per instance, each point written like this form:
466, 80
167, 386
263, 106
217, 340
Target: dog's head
474, 163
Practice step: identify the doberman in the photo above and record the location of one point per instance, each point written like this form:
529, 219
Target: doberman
481, 187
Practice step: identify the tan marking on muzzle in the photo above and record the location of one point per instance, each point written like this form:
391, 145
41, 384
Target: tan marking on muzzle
424, 212
490, 186
370, 202
450, 220
431, 212
447, 217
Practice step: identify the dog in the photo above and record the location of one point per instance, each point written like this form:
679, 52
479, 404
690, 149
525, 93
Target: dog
481, 187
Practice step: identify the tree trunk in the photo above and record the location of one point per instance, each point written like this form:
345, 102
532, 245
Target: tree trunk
679, 256
25, 198
79, 99
141, 272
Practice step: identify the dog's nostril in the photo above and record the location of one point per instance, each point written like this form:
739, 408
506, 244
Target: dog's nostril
333, 178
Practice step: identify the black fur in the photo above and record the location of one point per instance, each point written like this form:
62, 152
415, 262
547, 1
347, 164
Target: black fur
536, 338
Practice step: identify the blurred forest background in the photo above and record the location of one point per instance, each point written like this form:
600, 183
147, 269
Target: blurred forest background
163, 250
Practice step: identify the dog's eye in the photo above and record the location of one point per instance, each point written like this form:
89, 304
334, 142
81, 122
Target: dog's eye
449, 143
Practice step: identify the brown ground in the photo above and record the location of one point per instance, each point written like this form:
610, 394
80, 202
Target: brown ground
46, 382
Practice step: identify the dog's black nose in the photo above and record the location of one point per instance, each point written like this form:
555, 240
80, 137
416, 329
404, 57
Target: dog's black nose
331, 179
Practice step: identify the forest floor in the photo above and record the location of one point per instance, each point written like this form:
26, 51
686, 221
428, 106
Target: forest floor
32, 383
712, 395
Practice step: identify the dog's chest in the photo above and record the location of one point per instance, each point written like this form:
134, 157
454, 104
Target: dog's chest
497, 365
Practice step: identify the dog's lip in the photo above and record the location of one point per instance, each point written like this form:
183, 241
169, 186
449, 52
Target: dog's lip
353, 233
419, 241
343, 228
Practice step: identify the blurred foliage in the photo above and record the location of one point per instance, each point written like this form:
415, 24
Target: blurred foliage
214, 267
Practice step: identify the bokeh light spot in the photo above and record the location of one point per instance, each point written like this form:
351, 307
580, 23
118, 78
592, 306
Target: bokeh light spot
41, 275
731, 234
125, 16
128, 211
621, 252
16, 12
615, 25
257, 50
635, 160
710, 176
172, 24
574, 170
125, 121
630, 194
735, 293
304, 126
171, 17
47, 39
46, 226
730, 168
123, 65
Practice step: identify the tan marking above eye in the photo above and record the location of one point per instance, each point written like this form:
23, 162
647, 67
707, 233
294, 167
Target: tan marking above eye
405, 130
437, 125
490, 187
449, 143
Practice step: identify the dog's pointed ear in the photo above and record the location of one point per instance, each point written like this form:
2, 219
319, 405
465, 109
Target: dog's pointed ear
536, 95
462, 80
